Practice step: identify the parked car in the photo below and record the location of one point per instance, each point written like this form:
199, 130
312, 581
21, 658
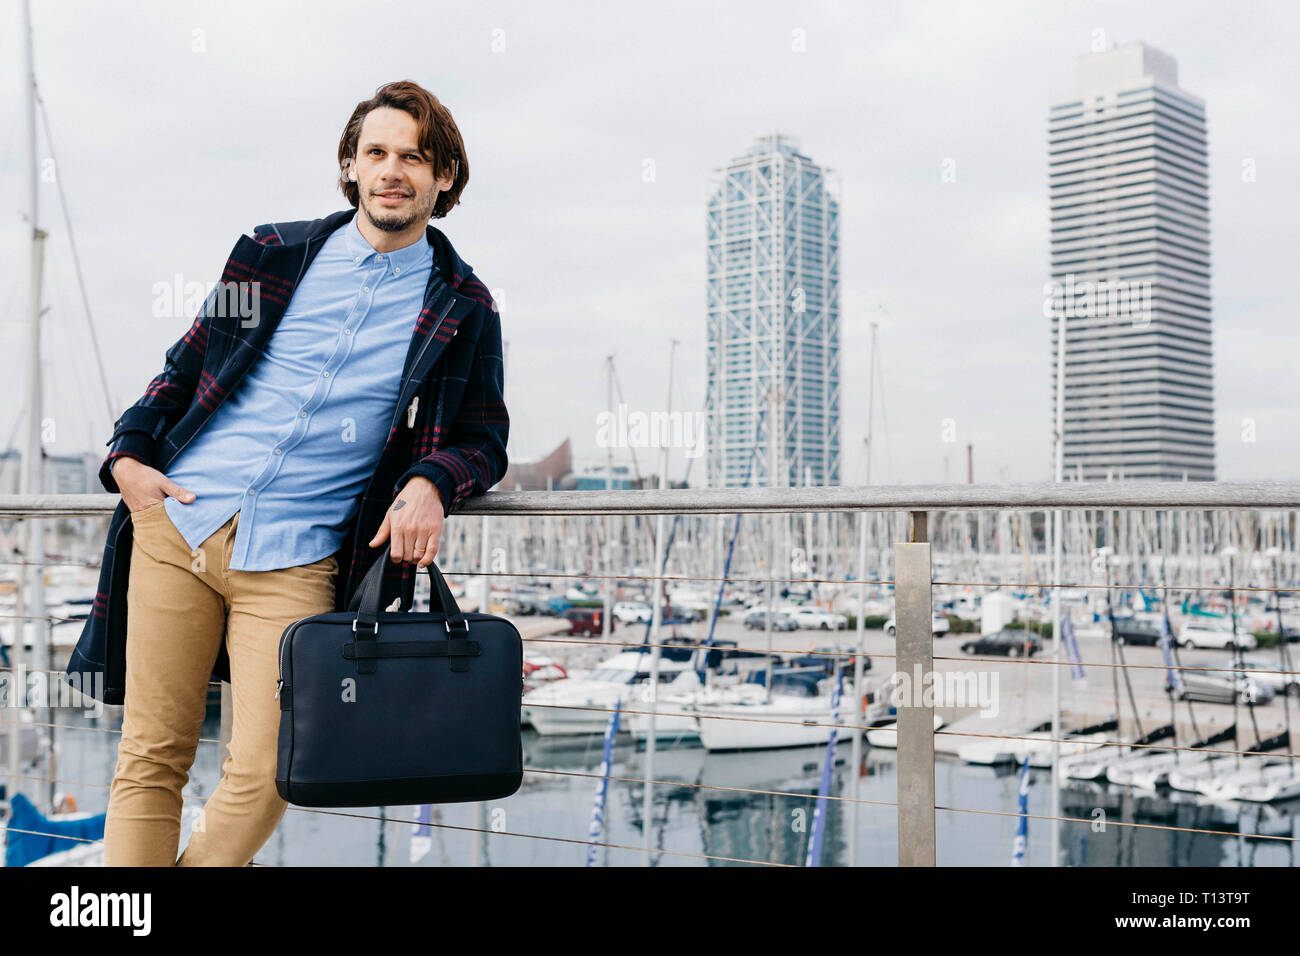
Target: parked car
817, 619
1010, 643
1224, 688
632, 612
1130, 631
687, 614
938, 625
1195, 634
756, 620
587, 620
1271, 675
517, 605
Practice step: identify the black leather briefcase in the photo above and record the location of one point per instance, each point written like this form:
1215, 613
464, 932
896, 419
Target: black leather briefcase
385, 708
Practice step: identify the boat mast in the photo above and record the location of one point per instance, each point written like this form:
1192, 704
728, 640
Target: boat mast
656, 620
1057, 558
605, 624
855, 760
31, 596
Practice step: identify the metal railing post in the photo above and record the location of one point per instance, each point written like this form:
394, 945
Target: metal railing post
913, 607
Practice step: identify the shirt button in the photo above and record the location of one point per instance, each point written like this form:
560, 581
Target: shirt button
347, 331
277, 451
326, 374
365, 288
397, 269
358, 259
302, 414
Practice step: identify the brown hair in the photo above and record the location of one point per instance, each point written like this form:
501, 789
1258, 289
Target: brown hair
438, 139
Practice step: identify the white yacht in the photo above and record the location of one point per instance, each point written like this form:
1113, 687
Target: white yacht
672, 718
581, 704
797, 714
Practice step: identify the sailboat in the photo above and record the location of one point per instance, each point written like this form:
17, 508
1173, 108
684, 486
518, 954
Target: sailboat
797, 713
1261, 783
1037, 748
1147, 771
29, 642
580, 704
1097, 765
1203, 776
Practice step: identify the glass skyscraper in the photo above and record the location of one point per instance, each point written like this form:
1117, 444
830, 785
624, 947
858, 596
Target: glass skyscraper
1130, 267
773, 319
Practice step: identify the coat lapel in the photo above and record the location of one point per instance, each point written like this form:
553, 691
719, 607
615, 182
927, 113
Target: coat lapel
274, 269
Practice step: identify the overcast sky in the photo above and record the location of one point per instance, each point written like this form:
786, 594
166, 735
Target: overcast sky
177, 126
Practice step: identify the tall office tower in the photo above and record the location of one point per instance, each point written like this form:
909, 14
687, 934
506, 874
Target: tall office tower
1130, 259
773, 319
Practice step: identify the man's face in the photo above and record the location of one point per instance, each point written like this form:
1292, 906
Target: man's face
395, 185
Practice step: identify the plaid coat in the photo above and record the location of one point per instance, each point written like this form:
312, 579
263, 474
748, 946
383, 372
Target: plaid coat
455, 437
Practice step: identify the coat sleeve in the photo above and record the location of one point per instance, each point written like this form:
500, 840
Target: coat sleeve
165, 400
473, 458
169, 395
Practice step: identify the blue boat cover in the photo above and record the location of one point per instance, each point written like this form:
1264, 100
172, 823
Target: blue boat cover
24, 848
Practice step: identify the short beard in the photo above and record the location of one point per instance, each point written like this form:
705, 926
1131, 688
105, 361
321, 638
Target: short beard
398, 225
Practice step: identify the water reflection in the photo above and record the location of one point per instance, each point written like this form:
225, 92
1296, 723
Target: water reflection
690, 816
1244, 832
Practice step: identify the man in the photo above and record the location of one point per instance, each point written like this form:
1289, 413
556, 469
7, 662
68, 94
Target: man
352, 408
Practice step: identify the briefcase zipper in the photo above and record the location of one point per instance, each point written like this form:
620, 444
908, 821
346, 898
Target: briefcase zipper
284, 659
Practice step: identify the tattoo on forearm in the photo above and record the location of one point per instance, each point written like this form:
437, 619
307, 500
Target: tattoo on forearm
401, 503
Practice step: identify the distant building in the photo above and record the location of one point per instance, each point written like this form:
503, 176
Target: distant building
64, 474
73, 474
593, 478
558, 469
773, 318
533, 476
1130, 266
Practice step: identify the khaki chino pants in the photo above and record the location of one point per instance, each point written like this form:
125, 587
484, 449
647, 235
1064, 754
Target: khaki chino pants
179, 604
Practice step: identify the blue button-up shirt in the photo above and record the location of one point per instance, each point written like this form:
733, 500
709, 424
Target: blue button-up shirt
294, 445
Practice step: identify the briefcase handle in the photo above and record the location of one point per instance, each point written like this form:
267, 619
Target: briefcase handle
366, 599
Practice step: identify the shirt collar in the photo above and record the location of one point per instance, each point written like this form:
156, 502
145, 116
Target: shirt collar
405, 259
